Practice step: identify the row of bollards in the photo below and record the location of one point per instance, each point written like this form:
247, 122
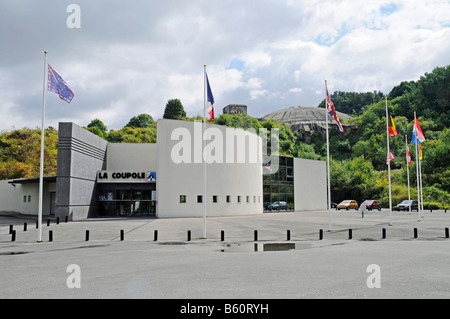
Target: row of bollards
12, 232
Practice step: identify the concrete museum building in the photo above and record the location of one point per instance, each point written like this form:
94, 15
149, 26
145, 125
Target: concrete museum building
167, 178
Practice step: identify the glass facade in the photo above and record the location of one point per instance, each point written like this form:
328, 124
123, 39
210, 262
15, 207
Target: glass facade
127, 199
278, 184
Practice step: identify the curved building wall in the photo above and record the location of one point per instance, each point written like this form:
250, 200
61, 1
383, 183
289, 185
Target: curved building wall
233, 174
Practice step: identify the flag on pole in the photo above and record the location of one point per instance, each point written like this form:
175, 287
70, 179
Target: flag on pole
391, 125
417, 135
408, 155
420, 152
57, 84
390, 157
210, 100
332, 112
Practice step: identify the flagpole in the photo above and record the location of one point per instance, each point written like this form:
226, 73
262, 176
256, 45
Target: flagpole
417, 173
421, 185
407, 169
203, 147
328, 162
41, 171
389, 164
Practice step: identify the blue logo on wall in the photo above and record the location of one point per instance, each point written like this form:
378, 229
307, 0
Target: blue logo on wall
151, 177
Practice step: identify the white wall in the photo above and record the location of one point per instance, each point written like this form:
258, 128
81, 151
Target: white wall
9, 196
12, 197
310, 187
186, 178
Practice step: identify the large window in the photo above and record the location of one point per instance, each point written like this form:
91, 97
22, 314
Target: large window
278, 184
127, 199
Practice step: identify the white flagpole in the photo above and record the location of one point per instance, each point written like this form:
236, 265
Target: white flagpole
389, 164
41, 173
203, 148
328, 160
417, 175
407, 169
421, 185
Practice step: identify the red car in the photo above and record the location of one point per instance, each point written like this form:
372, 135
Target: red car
371, 204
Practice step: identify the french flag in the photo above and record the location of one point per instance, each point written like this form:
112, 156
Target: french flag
417, 135
209, 101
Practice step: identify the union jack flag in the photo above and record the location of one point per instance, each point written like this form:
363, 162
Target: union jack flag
332, 112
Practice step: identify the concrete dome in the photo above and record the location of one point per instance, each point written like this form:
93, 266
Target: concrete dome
302, 114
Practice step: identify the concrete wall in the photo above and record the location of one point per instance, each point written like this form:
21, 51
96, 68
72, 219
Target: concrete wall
80, 155
310, 185
223, 179
12, 197
132, 156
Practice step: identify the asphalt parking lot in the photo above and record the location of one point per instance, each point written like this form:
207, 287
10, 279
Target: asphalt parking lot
270, 256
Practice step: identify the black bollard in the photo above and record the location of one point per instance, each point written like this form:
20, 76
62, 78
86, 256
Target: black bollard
255, 235
57, 220
48, 222
121, 234
350, 234
10, 229
50, 235
155, 235
65, 218
446, 233
288, 235
415, 233
13, 235
24, 226
188, 235
87, 235
383, 233
222, 235
37, 224
320, 234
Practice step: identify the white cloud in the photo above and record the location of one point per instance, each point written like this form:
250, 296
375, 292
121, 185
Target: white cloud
296, 90
130, 58
256, 59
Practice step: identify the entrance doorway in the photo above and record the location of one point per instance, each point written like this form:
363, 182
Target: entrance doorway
127, 200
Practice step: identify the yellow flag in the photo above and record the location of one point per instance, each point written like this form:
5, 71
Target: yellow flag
420, 151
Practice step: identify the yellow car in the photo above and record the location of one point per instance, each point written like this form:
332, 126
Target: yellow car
347, 204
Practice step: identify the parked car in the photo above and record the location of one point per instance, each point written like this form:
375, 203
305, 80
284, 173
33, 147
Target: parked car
371, 204
347, 204
278, 206
407, 204
333, 205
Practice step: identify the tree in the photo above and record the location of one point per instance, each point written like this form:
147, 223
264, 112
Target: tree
352, 103
97, 127
174, 110
141, 121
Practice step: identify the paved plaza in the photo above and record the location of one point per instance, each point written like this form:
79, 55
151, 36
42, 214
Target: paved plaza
288, 257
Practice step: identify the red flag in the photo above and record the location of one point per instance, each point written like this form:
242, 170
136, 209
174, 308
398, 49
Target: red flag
390, 157
408, 155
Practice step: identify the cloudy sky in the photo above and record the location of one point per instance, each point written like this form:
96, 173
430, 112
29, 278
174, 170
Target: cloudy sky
131, 57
